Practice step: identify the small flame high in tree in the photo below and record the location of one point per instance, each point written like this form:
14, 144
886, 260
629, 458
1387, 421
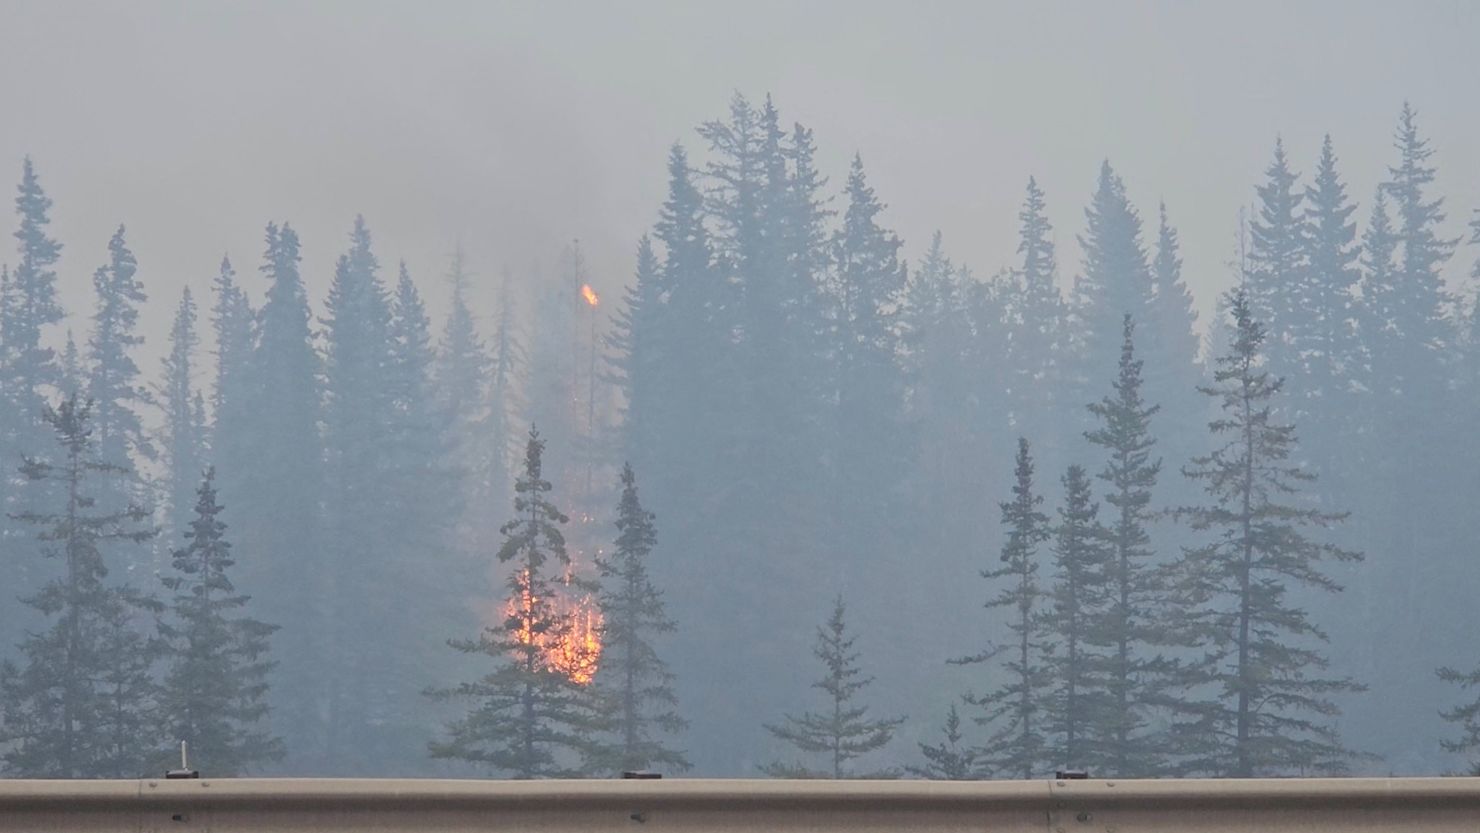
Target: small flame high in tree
1267, 709
632, 680
842, 732
529, 717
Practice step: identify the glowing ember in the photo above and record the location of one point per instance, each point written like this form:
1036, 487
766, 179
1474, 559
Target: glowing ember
573, 647
590, 294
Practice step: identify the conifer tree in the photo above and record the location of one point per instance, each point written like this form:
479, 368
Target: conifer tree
461, 378
82, 704
28, 372
632, 678
1169, 338
1128, 629
949, 760
1013, 711
279, 492
842, 731
1465, 717
215, 690
871, 451
1268, 709
234, 331
1036, 315
1115, 280
1079, 707
1277, 262
184, 424
527, 718
1324, 328
113, 377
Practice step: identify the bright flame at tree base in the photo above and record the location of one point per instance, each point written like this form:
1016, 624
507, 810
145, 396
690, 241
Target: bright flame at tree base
573, 648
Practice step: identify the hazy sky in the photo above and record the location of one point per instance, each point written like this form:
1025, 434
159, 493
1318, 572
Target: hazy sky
515, 127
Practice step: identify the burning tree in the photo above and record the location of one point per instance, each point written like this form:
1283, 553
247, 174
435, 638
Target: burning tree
532, 716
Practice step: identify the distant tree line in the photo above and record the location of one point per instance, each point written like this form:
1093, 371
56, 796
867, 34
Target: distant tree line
265, 553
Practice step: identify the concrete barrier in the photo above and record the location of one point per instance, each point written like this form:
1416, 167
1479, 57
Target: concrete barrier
425, 806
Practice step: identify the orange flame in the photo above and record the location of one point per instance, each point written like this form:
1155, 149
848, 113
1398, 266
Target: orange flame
590, 294
573, 648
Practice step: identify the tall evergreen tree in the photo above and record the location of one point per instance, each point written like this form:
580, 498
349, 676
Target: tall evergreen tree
278, 498
184, 433
949, 760
1080, 593
461, 374
870, 452
632, 678
1014, 710
1277, 259
1036, 313
1169, 338
1115, 280
1129, 628
1269, 708
28, 372
215, 690
82, 704
528, 718
113, 377
1324, 327
843, 731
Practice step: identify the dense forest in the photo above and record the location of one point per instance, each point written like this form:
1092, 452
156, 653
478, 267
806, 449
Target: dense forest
793, 505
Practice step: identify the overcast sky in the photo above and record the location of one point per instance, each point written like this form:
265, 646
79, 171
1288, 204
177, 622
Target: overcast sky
515, 127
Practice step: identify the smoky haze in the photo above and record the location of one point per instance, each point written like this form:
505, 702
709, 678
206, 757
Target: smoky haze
847, 343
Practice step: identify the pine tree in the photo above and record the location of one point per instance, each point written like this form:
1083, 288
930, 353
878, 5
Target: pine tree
1035, 322
28, 372
275, 508
1129, 628
461, 377
1269, 708
1013, 711
1277, 258
528, 718
950, 760
113, 378
1115, 280
1080, 594
1324, 329
83, 703
843, 731
215, 690
184, 440
870, 437
1170, 340
632, 678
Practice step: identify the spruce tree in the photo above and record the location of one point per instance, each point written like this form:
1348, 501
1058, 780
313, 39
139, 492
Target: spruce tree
1036, 314
1257, 702
28, 372
275, 509
527, 717
184, 434
949, 760
1465, 717
113, 377
215, 690
461, 379
1170, 340
234, 331
1129, 628
1115, 280
1277, 259
1324, 327
1013, 711
83, 702
871, 450
1079, 707
632, 679
843, 731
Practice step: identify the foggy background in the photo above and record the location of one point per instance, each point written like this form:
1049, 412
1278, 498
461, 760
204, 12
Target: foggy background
515, 127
